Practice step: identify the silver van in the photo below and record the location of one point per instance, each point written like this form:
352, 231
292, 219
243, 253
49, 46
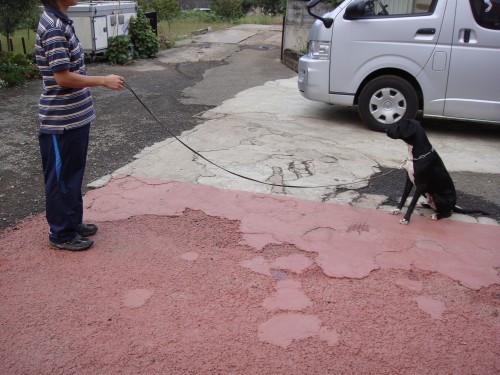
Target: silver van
393, 58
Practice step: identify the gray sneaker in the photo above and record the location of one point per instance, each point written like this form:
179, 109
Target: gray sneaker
78, 243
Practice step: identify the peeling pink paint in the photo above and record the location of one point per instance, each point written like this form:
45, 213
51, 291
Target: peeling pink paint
413, 285
331, 336
296, 263
348, 257
288, 296
431, 306
258, 264
282, 329
190, 256
207, 316
350, 242
137, 297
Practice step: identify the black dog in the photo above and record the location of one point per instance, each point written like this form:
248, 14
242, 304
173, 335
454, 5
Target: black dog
426, 171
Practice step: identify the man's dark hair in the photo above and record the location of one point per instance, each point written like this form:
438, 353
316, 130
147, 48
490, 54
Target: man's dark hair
50, 3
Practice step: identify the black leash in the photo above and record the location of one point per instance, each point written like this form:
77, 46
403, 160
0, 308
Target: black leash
237, 174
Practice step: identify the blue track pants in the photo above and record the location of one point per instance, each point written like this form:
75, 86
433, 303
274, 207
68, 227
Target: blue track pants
64, 157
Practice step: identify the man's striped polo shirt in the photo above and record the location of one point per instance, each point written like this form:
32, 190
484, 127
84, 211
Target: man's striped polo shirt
58, 48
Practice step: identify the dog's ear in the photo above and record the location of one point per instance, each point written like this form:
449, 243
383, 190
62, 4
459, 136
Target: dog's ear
408, 127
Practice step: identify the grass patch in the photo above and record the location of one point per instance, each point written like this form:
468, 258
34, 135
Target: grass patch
261, 19
179, 29
185, 25
29, 39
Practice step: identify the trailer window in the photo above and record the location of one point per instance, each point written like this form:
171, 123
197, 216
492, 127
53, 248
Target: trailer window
486, 13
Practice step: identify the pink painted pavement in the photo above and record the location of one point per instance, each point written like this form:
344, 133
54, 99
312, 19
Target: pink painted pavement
190, 279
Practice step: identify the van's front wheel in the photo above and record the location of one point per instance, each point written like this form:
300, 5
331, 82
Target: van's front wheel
386, 100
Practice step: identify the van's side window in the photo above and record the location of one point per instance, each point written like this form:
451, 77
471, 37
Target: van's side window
486, 13
398, 7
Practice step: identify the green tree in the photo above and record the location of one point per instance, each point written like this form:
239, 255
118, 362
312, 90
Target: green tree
145, 5
228, 9
166, 9
272, 7
13, 13
249, 4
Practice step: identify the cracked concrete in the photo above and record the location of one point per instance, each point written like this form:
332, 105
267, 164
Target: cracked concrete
289, 140
256, 150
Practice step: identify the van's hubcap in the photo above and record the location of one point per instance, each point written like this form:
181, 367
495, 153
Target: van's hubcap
387, 105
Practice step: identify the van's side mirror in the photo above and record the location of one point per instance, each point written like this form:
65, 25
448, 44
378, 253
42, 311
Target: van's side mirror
328, 22
312, 3
355, 10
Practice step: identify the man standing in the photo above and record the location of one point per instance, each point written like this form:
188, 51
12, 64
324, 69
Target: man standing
66, 112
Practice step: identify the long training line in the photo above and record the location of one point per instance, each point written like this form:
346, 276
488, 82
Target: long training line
237, 174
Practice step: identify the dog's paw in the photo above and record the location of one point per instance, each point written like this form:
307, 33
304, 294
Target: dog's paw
404, 221
434, 217
395, 211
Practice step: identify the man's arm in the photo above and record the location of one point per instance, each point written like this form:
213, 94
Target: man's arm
65, 78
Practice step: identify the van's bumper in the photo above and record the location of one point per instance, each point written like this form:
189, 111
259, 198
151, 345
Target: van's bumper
314, 78
314, 82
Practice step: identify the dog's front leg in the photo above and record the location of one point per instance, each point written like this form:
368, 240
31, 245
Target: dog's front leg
406, 219
404, 197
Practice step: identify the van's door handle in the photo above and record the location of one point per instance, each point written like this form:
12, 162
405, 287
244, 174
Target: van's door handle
467, 35
429, 31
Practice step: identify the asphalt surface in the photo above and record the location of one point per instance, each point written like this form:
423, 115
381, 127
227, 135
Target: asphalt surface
118, 134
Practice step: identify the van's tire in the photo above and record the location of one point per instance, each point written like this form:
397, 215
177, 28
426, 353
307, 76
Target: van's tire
385, 100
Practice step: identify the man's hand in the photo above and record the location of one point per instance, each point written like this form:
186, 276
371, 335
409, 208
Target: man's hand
114, 82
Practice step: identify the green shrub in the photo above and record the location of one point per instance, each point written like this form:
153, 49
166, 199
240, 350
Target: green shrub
32, 72
11, 58
143, 37
13, 75
15, 69
120, 50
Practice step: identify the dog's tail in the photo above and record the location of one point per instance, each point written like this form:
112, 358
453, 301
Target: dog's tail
464, 211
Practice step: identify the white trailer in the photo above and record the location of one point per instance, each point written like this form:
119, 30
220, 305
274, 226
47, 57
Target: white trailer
96, 21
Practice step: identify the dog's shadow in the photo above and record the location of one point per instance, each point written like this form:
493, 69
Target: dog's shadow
460, 128
390, 181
